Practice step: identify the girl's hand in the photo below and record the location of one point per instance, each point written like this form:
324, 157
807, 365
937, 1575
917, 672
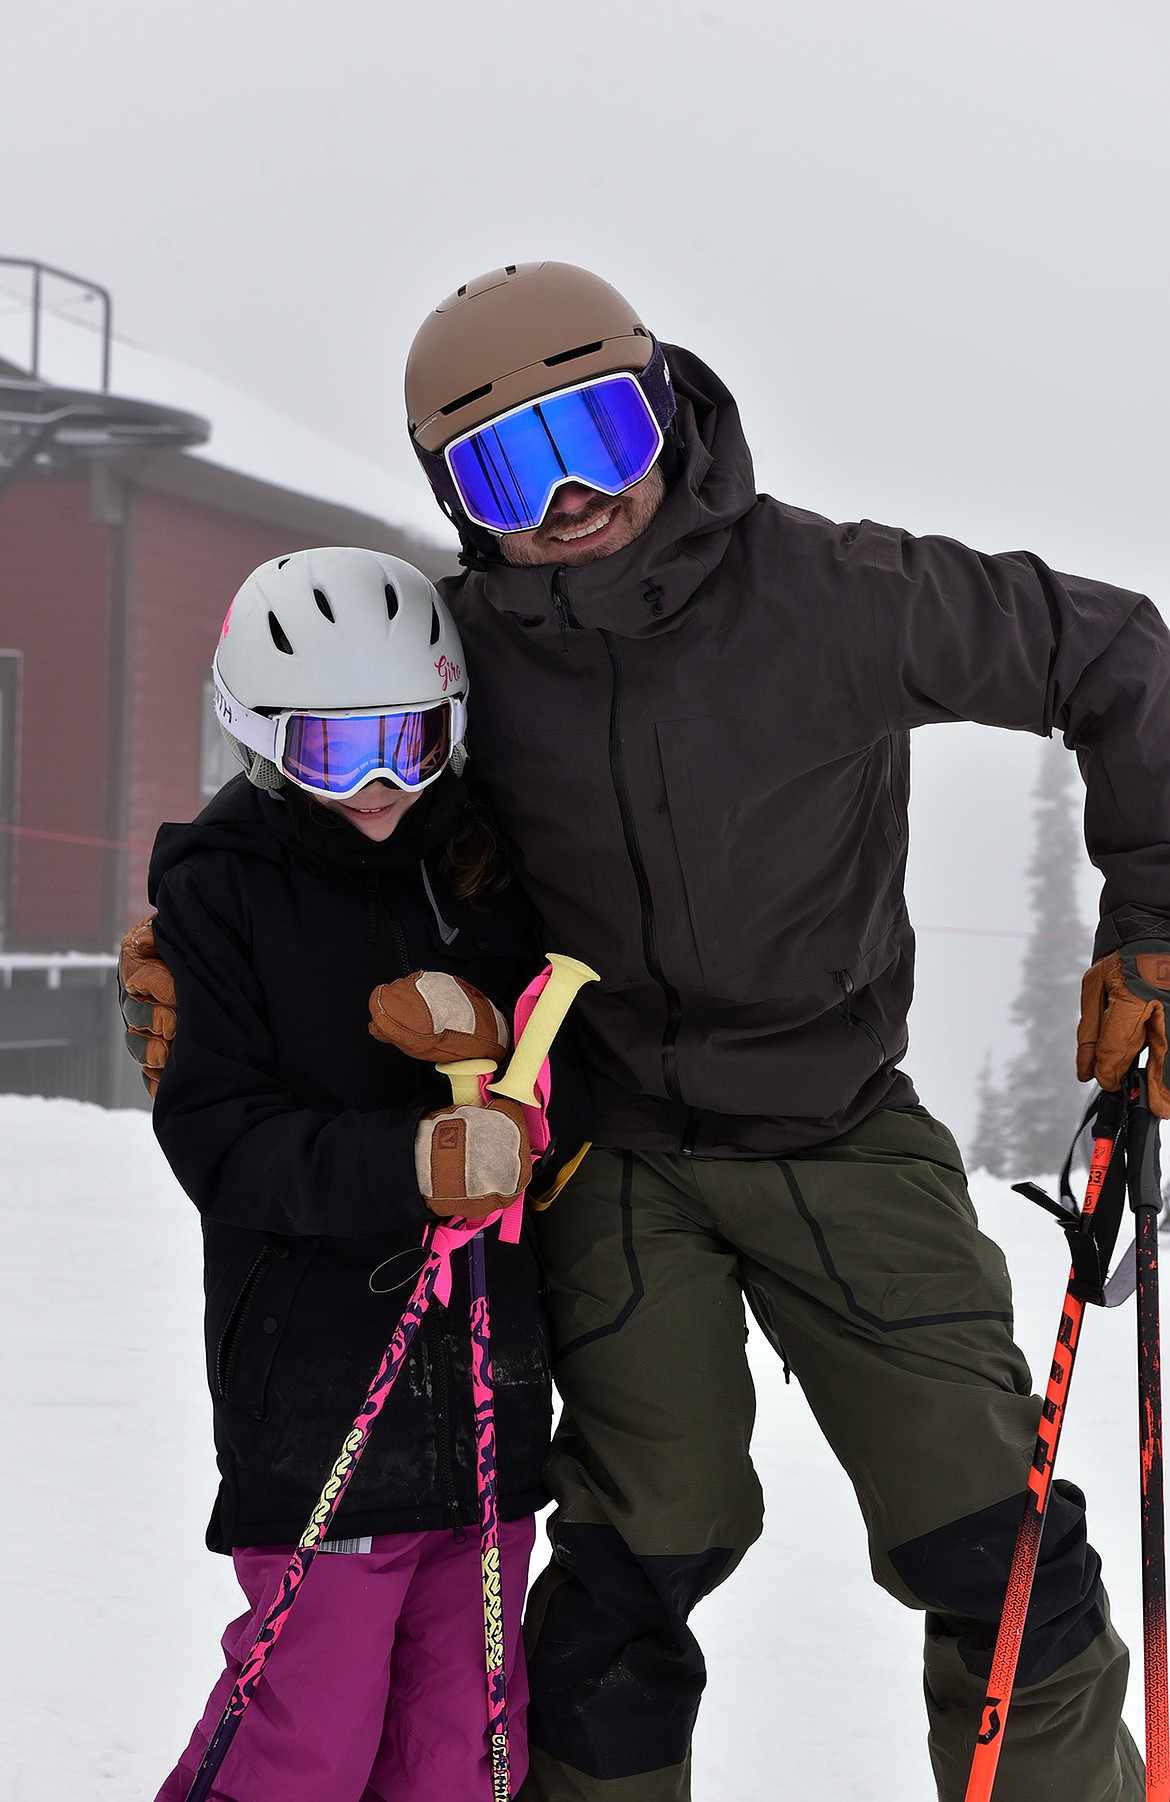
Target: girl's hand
473, 1160
437, 1018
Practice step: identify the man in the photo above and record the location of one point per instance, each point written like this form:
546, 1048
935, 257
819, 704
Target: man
691, 709
691, 706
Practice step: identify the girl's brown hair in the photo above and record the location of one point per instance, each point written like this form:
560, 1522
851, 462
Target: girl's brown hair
474, 862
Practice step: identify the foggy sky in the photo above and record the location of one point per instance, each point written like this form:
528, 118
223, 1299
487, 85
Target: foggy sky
924, 243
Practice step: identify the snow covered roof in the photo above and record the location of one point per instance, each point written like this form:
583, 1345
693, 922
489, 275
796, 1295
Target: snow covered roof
248, 436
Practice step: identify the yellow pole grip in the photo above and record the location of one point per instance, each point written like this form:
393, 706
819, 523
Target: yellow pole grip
464, 1075
552, 1004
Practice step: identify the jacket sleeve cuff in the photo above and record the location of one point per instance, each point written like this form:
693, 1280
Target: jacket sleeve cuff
1126, 924
387, 1154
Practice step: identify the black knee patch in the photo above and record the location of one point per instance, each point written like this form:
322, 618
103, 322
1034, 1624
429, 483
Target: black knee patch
960, 1572
615, 1674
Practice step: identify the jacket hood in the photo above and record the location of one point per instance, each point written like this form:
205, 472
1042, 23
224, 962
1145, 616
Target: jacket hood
639, 591
228, 823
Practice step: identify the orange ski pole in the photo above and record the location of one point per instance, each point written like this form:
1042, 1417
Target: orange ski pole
989, 1741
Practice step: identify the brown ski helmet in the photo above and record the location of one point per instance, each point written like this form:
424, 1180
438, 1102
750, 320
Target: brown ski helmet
510, 336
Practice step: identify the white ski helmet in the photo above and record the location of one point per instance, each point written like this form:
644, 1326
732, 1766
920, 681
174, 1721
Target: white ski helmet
334, 632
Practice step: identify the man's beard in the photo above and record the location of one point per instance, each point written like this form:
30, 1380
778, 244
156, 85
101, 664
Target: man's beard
637, 505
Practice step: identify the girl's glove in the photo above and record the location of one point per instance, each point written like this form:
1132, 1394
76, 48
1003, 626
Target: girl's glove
146, 995
473, 1160
1124, 1002
437, 1018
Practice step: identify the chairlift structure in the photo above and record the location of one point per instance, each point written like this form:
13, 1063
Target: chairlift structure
51, 429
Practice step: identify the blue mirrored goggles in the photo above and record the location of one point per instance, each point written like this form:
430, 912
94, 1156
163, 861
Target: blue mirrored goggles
601, 433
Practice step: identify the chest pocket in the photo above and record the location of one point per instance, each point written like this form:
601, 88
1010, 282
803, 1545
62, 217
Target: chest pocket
783, 856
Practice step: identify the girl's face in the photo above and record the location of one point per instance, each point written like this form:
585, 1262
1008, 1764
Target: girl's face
375, 810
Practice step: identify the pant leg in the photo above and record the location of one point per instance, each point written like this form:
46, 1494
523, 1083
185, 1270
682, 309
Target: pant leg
314, 1725
863, 1260
657, 1498
434, 1748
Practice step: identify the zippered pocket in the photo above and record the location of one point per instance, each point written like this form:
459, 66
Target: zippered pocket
252, 1328
854, 1022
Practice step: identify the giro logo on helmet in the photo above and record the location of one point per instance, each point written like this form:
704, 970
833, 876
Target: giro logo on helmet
447, 672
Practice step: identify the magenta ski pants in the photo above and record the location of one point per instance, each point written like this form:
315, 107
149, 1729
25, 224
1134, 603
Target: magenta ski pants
376, 1691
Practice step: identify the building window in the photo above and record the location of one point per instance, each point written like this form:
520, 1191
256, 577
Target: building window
217, 765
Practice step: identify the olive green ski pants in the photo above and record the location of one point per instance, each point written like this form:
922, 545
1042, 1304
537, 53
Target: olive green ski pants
863, 1263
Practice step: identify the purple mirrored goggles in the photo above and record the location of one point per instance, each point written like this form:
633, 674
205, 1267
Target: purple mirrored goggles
336, 753
605, 433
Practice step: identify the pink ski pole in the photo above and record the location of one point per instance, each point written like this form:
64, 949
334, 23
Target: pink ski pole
542, 1010
435, 1274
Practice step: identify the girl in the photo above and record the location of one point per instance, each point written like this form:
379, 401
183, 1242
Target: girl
347, 854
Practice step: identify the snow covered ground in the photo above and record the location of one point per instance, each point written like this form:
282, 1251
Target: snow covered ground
113, 1610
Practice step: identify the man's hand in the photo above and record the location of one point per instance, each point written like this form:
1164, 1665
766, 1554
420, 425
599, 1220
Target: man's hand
146, 995
473, 1160
1124, 1002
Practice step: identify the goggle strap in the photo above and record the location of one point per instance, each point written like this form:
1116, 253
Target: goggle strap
259, 731
656, 385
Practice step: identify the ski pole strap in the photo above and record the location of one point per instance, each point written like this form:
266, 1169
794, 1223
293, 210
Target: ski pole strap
446, 1239
1092, 1232
1100, 1118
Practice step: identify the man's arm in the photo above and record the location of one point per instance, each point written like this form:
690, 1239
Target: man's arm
1006, 641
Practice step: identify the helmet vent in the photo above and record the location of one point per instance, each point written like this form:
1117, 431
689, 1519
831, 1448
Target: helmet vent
322, 600
435, 626
509, 268
391, 601
282, 561
566, 356
279, 635
465, 400
461, 291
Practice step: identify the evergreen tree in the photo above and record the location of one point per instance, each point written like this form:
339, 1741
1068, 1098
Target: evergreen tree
990, 1147
1042, 1099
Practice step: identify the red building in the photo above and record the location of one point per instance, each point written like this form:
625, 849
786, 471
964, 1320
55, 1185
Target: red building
117, 563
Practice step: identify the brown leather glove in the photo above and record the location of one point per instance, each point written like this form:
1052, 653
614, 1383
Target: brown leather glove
437, 1018
473, 1160
1124, 1001
146, 995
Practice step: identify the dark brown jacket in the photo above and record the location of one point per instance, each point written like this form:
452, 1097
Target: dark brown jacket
699, 749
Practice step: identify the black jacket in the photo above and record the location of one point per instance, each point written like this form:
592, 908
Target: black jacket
292, 1130
720, 714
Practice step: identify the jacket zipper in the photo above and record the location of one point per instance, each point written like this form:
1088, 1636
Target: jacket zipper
669, 1054
377, 892
638, 864
847, 985
229, 1343
444, 1433
561, 605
